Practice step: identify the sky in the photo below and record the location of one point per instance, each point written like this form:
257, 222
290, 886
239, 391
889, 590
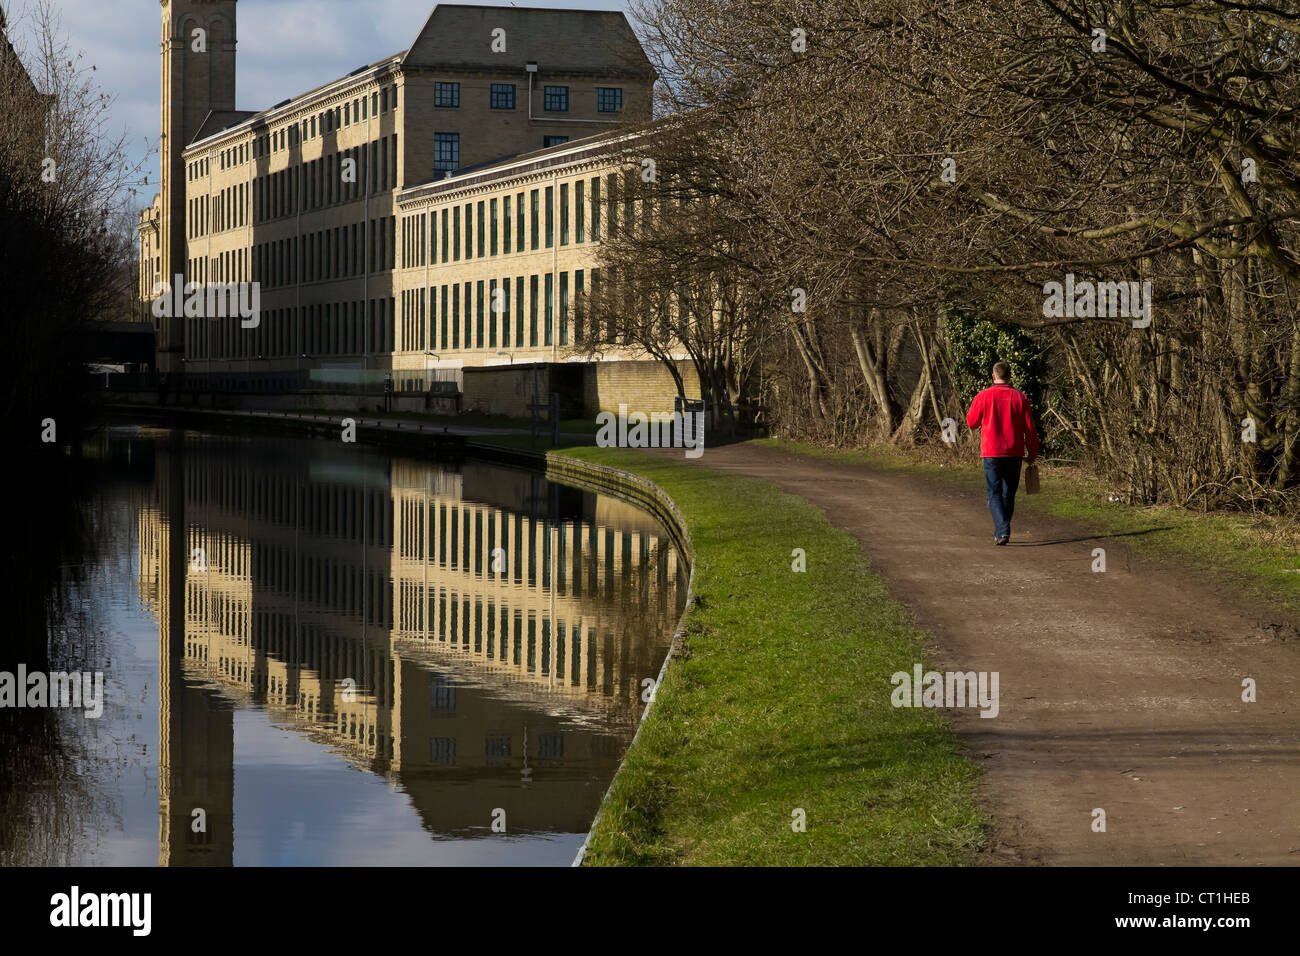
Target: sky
286, 47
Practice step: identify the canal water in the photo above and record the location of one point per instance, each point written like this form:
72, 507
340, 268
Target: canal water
316, 654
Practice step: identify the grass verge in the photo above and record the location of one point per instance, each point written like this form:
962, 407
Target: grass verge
780, 701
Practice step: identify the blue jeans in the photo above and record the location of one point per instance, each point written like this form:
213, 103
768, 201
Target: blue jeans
1002, 478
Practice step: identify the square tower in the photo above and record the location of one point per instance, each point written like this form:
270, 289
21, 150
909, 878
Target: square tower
198, 77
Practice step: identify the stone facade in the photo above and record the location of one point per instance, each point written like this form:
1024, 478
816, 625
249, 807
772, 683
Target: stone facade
643, 386
315, 199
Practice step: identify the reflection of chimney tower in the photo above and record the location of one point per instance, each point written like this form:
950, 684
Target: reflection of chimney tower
196, 735
198, 77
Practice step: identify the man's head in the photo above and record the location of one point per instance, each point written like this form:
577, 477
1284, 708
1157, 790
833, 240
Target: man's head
1001, 372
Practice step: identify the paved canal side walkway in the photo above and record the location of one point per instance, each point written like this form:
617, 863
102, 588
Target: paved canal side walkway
1119, 691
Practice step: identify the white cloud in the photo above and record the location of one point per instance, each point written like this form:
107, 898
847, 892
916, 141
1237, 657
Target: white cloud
286, 47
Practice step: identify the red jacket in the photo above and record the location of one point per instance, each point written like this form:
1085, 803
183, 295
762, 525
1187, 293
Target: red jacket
1005, 422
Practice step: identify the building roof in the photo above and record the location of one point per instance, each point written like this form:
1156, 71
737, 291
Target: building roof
600, 146
460, 37
219, 120
601, 40
10, 61
228, 119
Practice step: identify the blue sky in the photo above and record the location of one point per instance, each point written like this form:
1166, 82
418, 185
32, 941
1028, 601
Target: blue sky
286, 47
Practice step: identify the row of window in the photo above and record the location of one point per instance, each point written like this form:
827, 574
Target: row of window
329, 181
339, 253
526, 222
442, 750
335, 328
225, 209
555, 99
332, 180
446, 151
489, 314
338, 117
230, 266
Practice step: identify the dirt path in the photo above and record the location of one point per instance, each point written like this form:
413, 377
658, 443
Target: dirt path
1119, 690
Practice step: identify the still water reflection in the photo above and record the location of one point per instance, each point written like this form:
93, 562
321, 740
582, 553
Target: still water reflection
319, 653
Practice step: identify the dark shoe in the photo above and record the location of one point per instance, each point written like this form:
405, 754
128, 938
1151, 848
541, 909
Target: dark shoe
1002, 540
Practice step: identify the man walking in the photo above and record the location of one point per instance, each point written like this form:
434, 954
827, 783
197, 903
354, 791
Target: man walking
1006, 425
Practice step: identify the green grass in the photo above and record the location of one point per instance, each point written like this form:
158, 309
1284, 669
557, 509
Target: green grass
780, 700
1251, 552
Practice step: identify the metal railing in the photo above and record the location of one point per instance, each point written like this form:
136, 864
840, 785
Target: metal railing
352, 381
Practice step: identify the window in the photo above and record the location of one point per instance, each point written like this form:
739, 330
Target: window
550, 141
442, 750
581, 212
481, 230
532, 310
550, 218
469, 344
494, 312
505, 233
564, 308
503, 96
556, 99
578, 305
478, 313
550, 307
445, 343
612, 201
493, 244
446, 95
455, 316
536, 201
519, 312
564, 214
446, 152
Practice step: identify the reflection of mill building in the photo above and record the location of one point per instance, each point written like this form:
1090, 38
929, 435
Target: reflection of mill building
531, 598
305, 579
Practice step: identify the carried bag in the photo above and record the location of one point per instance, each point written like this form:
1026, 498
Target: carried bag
1031, 480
